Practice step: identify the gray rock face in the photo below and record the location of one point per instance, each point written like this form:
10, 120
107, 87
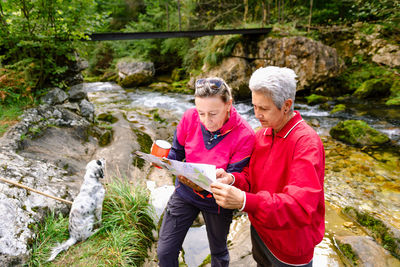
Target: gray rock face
312, 61
135, 73
19, 208
53, 166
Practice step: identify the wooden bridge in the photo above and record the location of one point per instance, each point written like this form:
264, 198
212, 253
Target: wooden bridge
172, 34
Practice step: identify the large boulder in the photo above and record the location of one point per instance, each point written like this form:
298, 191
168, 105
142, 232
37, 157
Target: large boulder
312, 61
358, 133
132, 73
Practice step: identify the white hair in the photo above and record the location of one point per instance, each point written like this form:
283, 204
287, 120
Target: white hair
277, 83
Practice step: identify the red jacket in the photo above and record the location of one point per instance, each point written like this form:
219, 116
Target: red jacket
284, 186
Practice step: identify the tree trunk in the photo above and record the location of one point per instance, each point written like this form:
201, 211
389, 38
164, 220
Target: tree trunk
309, 18
264, 10
279, 11
179, 15
167, 13
268, 12
246, 9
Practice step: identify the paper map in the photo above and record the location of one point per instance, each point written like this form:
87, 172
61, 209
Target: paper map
201, 174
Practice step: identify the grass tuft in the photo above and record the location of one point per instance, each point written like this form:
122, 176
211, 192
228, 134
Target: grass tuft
123, 239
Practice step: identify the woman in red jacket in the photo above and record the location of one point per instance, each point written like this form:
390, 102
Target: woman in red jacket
282, 189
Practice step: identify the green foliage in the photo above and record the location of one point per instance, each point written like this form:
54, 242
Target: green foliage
221, 47
123, 239
354, 76
9, 113
36, 38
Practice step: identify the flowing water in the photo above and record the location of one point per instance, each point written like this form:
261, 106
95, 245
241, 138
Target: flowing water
344, 186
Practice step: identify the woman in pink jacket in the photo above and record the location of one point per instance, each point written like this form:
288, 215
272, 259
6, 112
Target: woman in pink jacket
282, 189
212, 133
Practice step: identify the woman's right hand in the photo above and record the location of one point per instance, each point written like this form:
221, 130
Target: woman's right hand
224, 177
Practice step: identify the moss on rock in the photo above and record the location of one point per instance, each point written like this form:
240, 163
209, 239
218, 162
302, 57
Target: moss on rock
107, 117
394, 99
314, 99
358, 133
105, 138
145, 142
378, 87
348, 252
338, 108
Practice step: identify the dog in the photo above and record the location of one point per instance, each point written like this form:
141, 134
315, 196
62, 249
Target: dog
86, 208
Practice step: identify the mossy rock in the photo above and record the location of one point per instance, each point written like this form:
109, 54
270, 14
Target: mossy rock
136, 79
161, 87
325, 106
379, 87
379, 230
358, 133
338, 108
314, 99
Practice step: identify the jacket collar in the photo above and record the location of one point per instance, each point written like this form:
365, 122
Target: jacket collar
289, 126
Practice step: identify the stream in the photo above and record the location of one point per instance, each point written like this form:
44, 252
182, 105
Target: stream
353, 177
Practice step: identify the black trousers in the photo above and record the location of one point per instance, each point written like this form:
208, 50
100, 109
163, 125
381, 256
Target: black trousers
264, 257
178, 218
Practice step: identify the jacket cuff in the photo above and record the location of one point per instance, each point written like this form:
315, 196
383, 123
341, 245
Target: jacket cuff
251, 203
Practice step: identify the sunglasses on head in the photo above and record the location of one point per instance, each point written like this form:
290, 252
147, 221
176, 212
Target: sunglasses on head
211, 82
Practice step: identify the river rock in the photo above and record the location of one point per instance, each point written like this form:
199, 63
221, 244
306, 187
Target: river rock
366, 251
312, 61
358, 133
77, 92
55, 96
133, 73
87, 109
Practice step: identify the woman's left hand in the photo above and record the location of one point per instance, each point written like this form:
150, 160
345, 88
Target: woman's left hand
227, 196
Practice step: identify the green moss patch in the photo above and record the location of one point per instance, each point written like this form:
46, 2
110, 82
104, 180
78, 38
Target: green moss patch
378, 229
145, 142
338, 108
107, 117
348, 252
